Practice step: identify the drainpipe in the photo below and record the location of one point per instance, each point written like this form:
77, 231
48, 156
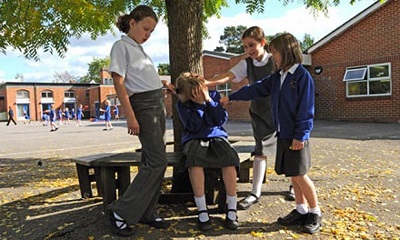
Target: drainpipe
35, 102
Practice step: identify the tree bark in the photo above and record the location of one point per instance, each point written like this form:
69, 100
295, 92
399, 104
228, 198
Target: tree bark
185, 47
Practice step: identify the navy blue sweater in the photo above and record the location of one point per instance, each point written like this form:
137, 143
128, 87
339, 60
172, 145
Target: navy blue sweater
292, 105
202, 121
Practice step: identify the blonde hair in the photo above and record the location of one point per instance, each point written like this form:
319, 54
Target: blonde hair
185, 83
289, 48
108, 102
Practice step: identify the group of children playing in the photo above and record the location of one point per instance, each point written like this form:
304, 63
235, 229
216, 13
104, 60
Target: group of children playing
282, 95
50, 117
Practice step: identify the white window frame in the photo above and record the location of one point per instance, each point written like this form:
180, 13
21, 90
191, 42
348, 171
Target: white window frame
368, 79
69, 94
47, 94
224, 89
22, 94
349, 71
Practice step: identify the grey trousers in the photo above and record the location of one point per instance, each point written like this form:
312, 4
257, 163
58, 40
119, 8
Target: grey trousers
139, 201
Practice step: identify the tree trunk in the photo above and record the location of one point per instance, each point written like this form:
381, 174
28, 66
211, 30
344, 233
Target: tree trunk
185, 47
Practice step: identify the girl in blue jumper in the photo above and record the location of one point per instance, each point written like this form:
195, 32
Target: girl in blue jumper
79, 115
107, 115
205, 144
292, 103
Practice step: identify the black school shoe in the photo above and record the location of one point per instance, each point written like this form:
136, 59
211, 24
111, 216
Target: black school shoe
244, 204
312, 224
204, 226
231, 224
293, 218
290, 196
158, 223
123, 232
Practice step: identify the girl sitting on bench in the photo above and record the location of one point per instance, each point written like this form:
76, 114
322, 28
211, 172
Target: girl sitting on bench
205, 144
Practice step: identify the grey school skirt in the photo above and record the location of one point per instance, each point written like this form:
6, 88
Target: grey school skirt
292, 163
210, 153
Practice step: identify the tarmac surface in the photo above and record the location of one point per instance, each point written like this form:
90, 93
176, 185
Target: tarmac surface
355, 170
35, 140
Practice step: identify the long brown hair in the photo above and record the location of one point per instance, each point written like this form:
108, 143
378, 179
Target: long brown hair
289, 48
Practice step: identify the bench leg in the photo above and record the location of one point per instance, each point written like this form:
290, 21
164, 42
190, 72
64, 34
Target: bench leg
108, 185
211, 185
84, 181
124, 179
222, 206
244, 173
98, 181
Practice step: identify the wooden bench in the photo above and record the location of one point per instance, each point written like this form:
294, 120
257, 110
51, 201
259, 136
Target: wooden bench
112, 173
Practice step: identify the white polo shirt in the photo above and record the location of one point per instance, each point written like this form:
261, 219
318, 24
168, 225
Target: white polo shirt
129, 60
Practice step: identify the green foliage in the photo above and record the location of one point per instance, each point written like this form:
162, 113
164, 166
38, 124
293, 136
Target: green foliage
164, 69
232, 38
307, 42
34, 25
94, 70
30, 25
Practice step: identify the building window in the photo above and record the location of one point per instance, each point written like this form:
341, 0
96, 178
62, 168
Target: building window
47, 94
69, 94
224, 89
371, 80
22, 95
108, 81
87, 95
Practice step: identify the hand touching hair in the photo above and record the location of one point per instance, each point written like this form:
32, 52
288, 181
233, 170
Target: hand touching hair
191, 86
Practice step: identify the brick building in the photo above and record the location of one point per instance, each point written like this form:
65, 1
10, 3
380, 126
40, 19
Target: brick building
359, 65
34, 97
356, 69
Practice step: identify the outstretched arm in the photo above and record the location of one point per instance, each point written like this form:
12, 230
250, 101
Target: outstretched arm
220, 79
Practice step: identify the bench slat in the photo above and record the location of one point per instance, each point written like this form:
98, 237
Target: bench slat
131, 159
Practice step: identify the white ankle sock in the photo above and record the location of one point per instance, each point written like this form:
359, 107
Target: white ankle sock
201, 206
232, 203
259, 168
315, 210
302, 208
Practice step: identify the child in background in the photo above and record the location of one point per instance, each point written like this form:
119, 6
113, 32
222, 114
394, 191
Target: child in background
205, 144
67, 115
60, 116
27, 118
79, 115
107, 115
73, 114
116, 112
53, 119
291, 89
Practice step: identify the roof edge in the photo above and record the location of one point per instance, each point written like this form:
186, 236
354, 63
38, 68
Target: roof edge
372, 8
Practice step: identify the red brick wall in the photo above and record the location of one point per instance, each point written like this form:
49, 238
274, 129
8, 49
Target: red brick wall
35, 96
374, 40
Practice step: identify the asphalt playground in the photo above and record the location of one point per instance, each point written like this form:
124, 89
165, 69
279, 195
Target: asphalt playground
89, 140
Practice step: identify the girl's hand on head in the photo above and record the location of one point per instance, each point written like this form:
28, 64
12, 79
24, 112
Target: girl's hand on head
206, 94
197, 95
